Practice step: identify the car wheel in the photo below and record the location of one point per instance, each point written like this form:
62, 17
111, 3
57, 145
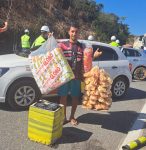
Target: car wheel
139, 73
22, 94
119, 87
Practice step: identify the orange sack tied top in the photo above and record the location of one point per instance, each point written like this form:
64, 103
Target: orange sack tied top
87, 61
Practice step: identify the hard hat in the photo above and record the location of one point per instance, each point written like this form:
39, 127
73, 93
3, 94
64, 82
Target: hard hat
26, 30
113, 38
45, 29
117, 41
90, 37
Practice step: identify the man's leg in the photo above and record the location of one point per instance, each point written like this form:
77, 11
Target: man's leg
63, 101
75, 93
63, 92
75, 101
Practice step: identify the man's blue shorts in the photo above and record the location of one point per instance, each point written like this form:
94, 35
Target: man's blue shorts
73, 86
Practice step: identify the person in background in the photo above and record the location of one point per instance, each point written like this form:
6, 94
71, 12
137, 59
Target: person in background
113, 41
3, 26
41, 39
118, 42
73, 51
25, 41
91, 38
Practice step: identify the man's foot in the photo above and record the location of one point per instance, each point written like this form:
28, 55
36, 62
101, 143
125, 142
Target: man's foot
73, 121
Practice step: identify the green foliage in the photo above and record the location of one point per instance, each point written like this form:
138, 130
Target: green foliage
57, 14
90, 8
107, 25
102, 24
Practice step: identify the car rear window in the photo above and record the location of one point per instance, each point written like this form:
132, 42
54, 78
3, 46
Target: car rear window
107, 53
131, 53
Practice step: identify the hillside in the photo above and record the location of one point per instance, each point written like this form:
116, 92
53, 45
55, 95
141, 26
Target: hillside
32, 14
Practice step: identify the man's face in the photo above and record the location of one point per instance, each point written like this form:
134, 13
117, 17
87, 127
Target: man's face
45, 35
73, 33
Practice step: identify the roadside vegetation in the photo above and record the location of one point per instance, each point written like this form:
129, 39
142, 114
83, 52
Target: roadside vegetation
32, 14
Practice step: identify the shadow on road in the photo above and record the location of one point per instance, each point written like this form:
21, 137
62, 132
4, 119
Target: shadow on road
120, 121
74, 135
6, 107
80, 139
133, 94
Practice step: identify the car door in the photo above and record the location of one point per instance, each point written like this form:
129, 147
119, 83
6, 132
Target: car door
108, 60
133, 56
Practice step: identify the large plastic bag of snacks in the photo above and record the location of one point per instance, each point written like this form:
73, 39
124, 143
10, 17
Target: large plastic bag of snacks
49, 66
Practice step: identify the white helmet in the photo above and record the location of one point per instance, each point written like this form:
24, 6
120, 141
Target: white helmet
90, 37
26, 31
117, 41
45, 29
113, 38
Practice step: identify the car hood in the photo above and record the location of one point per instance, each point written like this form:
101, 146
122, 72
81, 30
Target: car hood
13, 60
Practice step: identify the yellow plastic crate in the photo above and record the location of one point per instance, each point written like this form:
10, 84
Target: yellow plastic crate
45, 126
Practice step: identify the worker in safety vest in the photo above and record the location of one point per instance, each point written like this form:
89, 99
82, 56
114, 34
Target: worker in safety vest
41, 39
118, 42
113, 41
25, 41
91, 38
3, 26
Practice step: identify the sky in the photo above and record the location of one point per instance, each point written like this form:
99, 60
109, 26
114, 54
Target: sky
133, 10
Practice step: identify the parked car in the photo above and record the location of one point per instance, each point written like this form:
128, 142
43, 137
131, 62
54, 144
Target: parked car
19, 89
137, 58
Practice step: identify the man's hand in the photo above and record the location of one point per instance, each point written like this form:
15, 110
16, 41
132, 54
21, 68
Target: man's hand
50, 34
97, 54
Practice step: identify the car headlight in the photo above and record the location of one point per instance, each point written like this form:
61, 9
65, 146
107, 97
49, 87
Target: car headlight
3, 71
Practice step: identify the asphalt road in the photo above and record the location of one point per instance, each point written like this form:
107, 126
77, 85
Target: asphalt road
96, 130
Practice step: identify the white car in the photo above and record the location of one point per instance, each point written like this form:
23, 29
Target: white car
137, 58
19, 89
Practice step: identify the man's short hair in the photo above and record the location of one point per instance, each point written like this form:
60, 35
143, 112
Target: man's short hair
73, 24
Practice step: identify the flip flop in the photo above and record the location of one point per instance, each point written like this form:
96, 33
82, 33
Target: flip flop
74, 122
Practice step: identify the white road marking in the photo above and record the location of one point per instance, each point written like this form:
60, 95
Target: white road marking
136, 130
